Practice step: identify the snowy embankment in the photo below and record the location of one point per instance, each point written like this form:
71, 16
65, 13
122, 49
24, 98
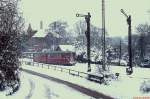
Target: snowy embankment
126, 87
34, 87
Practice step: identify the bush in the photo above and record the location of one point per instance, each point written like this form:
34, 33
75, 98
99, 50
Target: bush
145, 87
10, 30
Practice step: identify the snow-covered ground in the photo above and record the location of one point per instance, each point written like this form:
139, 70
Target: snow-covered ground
34, 87
126, 87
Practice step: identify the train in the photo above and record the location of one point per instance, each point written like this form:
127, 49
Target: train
54, 57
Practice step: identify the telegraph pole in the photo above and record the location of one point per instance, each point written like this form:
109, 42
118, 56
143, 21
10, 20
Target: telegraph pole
87, 33
120, 47
103, 36
130, 69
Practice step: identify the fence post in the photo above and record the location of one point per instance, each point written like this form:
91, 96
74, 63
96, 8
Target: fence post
48, 66
78, 73
61, 69
42, 65
69, 71
55, 68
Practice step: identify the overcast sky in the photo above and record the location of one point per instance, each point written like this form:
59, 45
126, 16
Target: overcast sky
50, 10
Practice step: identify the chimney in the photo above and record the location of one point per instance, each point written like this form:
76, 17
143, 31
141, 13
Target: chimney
41, 25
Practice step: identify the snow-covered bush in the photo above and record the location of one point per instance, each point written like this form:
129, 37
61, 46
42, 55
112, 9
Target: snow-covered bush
2, 79
10, 29
145, 87
102, 76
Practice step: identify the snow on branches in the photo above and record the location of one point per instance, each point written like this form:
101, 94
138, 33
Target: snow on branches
10, 28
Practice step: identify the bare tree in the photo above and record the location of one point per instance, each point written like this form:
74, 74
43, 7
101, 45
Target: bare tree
96, 33
144, 42
80, 28
59, 28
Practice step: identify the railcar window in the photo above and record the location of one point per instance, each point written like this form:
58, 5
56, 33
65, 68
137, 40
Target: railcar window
49, 55
52, 54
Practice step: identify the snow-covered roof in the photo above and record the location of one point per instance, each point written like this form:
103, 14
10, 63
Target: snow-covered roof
67, 48
43, 33
40, 33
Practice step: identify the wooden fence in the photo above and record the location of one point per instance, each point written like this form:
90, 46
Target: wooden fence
57, 68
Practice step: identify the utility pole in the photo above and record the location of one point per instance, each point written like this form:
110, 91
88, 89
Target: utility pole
87, 33
120, 47
130, 69
103, 37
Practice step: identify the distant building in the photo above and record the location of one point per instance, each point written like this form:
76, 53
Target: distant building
44, 40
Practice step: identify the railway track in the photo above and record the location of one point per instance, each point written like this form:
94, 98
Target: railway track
79, 88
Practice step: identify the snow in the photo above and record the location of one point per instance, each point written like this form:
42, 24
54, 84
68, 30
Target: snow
34, 87
40, 33
67, 48
123, 88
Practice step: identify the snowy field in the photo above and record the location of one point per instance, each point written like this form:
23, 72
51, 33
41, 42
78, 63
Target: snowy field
125, 87
34, 87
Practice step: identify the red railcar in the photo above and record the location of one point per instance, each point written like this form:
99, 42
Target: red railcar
56, 57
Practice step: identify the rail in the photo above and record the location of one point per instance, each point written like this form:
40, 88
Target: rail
57, 68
